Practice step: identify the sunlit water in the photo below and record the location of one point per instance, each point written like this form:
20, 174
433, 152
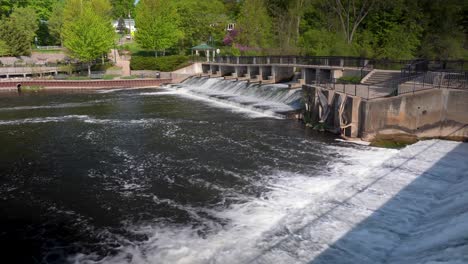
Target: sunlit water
159, 176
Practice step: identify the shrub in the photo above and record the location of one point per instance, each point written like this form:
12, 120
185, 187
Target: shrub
165, 63
350, 79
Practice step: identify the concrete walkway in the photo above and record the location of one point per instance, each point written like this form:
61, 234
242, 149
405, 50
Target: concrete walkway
120, 62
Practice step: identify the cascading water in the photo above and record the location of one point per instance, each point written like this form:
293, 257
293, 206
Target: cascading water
276, 99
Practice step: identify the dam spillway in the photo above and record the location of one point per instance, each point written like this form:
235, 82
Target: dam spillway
170, 176
275, 99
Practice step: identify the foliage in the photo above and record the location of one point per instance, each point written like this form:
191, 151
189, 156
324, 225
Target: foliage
15, 37
445, 34
350, 79
90, 34
201, 21
158, 25
55, 23
18, 30
255, 25
165, 64
26, 20
398, 29
4, 48
122, 8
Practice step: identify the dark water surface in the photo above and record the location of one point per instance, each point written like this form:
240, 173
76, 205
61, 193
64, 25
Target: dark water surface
79, 171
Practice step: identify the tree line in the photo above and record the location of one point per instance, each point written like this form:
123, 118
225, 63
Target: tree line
398, 29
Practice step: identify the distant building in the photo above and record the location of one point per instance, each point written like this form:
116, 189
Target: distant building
129, 24
230, 27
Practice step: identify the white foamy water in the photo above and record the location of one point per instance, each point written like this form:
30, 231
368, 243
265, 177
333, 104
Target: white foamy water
271, 100
86, 119
236, 108
373, 206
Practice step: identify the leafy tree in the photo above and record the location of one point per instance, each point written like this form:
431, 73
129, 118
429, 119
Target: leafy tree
233, 8
90, 34
158, 25
26, 20
200, 20
393, 30
16, 40
122, 8
55, 23
43, 8
445, 36
351, 14
4, 48
18, 30
254, 24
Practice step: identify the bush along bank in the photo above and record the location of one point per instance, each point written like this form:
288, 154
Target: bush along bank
165, 63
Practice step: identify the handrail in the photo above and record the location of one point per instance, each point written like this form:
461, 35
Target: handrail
404, 85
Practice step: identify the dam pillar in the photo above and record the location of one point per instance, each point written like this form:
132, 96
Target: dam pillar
336, 74
241, 71
214, 69
284, 73
266, 72
206, 68
309, 75
253, 72
226, 70
352, 111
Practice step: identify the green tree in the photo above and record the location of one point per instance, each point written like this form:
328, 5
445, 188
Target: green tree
4, 48
15, 39
122, 8
445, 34
89, 35
55, 23
18, 30
254, 25
43, 8
158, 25
26, 20
201, 20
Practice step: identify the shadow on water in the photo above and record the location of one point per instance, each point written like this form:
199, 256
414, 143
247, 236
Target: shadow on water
405, 228
412, 211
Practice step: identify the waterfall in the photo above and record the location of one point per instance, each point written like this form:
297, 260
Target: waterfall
271, 98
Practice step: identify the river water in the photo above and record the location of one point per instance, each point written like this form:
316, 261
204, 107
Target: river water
158, 176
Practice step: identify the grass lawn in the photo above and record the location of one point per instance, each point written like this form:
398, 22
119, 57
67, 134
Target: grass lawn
48, 51
129, 77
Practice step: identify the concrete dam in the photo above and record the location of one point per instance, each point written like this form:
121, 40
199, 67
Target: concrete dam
419, 100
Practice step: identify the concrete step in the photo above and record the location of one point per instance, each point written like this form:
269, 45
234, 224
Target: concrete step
382, 76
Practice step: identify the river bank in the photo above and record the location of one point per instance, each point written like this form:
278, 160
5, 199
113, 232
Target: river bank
83, 84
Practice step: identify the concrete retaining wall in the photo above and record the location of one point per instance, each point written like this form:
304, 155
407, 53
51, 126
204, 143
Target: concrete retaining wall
92, 84
433, 113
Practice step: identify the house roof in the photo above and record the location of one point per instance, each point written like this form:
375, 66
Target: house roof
203, 46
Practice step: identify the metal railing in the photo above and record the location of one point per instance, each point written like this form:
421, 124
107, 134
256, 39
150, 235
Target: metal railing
404, 85
296, 60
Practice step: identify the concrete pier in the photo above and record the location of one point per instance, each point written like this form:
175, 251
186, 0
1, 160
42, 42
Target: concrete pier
434, 113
